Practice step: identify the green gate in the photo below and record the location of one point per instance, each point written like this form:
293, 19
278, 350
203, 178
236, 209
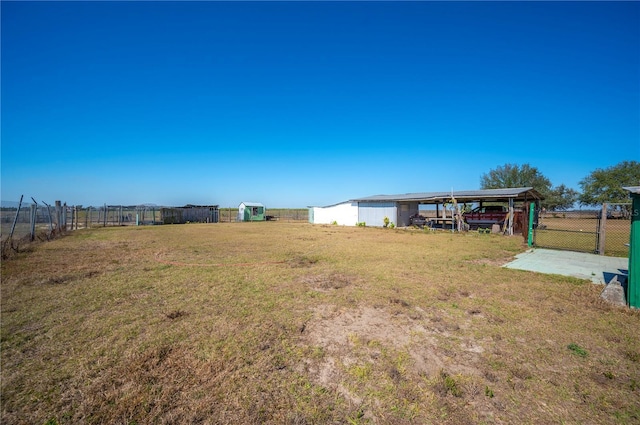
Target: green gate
604, 231
571, 230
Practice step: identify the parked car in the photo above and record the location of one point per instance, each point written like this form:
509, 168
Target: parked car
418, 220
487, 216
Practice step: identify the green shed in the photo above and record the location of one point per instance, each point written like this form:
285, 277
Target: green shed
633, 281
251, 211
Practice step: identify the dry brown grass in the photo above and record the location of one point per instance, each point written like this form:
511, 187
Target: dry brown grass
300, 324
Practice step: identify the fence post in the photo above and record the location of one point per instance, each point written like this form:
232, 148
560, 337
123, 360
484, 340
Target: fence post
15, 220
532, 208
106, 212
601, 230
32, 221
58, 216
50, 219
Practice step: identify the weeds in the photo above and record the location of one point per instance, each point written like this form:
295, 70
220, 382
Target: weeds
488, 392
294, 323
576, 349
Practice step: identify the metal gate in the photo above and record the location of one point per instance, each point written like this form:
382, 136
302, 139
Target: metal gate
603, 231
571, 230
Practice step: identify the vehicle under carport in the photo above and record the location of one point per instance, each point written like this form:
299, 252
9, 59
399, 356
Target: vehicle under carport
407, 207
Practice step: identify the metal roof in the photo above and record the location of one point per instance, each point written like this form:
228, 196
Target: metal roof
517, 193
251, 204
329, 206
633, 189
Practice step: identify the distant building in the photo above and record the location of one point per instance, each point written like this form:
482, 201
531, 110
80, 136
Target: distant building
190, 214
251, 211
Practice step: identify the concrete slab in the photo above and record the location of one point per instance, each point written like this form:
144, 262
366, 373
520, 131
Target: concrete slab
596, 268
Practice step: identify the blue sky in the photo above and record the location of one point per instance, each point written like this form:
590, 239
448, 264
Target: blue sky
309, 103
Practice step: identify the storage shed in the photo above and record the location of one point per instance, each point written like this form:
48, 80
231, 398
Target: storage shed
190, 213
633, 279
251, 211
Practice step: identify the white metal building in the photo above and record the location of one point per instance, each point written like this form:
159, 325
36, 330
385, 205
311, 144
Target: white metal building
344, 214
372, 210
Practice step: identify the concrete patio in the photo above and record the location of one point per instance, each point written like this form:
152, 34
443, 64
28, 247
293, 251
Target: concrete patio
596, 268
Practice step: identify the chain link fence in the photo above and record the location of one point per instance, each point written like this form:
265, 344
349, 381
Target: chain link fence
29, 219
20, 220
230, 214
603, 231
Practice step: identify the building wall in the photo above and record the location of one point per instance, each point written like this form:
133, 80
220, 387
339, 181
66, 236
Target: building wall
373, 213
345, 214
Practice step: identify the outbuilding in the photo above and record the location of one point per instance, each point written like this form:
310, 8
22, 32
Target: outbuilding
190, 213
343, 213
633, 279
251, 211
399, 209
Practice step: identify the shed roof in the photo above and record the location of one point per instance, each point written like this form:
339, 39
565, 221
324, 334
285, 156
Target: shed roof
515, 193
199, 206
633, 189
251, 204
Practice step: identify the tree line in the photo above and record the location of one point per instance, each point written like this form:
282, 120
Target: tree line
600, 186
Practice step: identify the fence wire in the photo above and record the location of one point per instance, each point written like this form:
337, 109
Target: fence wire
42, 220
586, 231
33, 219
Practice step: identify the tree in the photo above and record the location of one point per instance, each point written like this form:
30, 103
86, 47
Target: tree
513, 175
561, 198
605, 185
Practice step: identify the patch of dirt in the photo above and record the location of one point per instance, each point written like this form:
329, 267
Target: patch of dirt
175, 314
57, 280
337, 331
301, 261
327, 282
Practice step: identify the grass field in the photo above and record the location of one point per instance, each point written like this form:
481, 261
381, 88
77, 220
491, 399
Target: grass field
290, 323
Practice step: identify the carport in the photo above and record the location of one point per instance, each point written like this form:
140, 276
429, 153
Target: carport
403, 206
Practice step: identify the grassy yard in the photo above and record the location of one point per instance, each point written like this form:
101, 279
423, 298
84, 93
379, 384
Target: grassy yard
290, 323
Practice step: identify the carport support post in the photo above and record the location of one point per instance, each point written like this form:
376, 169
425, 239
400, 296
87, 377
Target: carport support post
532, 208
510, 221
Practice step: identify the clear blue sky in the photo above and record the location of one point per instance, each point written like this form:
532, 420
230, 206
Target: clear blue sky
309, 103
